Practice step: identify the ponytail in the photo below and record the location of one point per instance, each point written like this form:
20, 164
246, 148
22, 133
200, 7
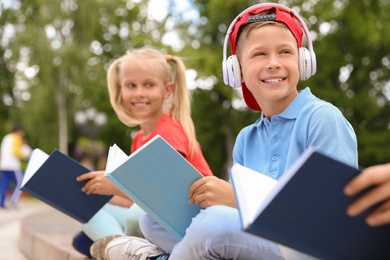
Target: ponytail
180, 109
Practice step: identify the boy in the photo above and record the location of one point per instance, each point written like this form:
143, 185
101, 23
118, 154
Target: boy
267, 42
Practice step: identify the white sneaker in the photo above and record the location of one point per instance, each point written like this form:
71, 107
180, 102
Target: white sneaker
97, 249
131, 248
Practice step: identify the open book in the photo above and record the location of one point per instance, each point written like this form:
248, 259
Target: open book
157, 178
306, 210
52, 179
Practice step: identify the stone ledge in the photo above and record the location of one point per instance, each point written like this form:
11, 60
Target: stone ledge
48, 235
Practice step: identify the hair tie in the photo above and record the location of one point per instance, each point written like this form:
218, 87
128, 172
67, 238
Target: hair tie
168, 57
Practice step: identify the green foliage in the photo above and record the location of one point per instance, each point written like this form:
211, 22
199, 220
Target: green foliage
69, 45
74, 41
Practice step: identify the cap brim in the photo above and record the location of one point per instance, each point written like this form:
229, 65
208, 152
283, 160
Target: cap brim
249, 98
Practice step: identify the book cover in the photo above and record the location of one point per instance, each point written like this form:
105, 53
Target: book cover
52, 179
306, 210
157, 178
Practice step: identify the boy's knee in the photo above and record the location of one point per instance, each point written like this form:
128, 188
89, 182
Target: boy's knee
214, 222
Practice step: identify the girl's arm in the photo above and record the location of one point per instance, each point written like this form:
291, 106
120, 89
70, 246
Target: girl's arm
98, 184
120, 201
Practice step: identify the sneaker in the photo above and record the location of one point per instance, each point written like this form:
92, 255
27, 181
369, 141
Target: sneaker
98, 247
132, 248
82, 243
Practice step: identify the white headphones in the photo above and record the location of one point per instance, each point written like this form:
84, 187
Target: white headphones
306, 57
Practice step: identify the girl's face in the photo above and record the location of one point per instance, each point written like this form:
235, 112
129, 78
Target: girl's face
269, 65
143, 91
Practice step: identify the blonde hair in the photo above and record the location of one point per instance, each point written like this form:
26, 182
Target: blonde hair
178, 105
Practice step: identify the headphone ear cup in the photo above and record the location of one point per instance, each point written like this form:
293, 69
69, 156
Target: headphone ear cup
225, 73
229, 72
236, 72
233, 72
304, 63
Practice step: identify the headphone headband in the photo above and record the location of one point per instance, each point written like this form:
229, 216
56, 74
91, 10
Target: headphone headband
230, 66
255, 9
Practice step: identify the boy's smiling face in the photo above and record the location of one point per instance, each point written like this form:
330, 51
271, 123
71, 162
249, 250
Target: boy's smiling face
269, 66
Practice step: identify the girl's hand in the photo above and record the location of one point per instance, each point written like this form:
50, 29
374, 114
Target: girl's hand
97, 184
210, 191
376, 175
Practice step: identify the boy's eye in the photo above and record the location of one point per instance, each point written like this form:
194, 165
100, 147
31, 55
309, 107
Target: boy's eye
286, 51
149, 85
259, 54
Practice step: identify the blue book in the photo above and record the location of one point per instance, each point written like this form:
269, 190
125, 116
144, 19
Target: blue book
306, 210
52, 179
157, 178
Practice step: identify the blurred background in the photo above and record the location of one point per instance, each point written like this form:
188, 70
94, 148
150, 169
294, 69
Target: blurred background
54, 56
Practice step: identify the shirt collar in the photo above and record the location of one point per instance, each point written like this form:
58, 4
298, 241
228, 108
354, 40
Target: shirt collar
296, 106
293, 109
262, 121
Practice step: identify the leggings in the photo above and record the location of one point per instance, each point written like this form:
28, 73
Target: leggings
6, 178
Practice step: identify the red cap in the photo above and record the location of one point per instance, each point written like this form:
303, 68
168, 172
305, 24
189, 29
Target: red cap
281, 16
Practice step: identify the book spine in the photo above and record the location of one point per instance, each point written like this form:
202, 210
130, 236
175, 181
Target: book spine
145, 207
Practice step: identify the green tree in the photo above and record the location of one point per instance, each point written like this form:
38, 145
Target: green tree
7, 72
64, 66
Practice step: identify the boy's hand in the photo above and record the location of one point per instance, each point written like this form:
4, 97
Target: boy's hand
376, 175
210, 191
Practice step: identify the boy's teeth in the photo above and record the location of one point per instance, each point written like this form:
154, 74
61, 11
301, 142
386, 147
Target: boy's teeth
272, 80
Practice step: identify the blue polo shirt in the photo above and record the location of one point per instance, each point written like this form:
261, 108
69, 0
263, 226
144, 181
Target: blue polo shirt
270, 147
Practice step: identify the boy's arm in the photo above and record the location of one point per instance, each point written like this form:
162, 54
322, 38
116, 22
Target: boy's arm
212, 191
331, 134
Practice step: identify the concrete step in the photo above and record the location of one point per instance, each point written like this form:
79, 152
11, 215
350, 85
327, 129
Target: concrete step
48, 234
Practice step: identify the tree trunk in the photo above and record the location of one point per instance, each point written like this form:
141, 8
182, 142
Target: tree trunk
62, 119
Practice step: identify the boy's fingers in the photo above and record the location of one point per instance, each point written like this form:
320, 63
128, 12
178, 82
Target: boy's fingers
368, 199
83, 177
195, 185
380, 216
367, 178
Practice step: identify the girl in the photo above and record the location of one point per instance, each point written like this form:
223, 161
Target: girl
143, 92
146, 90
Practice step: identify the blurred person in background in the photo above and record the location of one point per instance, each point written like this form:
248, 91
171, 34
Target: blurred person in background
13, 151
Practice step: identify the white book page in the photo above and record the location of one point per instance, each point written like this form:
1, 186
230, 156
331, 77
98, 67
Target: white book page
285, 178
38, 157
251, 189
115, 158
